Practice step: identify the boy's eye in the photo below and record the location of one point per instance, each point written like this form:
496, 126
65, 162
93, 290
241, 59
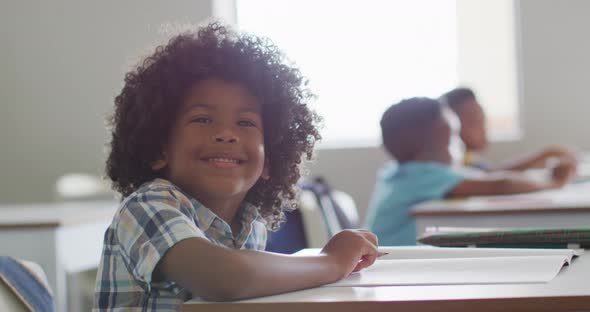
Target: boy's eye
246, 123
202, 120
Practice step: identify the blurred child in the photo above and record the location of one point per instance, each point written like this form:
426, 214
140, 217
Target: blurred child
418, 133
473, 133
207, 137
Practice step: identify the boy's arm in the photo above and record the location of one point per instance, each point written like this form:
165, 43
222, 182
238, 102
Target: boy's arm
497, 186
217, 273
503, 183
535, 160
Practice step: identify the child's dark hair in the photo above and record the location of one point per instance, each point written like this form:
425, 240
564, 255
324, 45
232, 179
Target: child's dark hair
457, 96
148, 105
405, 126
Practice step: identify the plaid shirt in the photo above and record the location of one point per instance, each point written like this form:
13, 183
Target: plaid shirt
150, 221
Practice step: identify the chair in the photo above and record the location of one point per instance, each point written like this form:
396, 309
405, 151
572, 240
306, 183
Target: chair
338, 207
314, 225
322, 213
290, 237
326, 212
24, 286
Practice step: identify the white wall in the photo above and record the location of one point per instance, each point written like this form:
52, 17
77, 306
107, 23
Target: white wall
487, 60
555, 73
555, 60
62, 62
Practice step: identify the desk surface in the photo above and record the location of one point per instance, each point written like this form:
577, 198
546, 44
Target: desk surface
573, 198
55, 214
570, 290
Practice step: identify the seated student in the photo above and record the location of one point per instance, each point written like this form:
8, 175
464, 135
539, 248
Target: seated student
473, 133
207, 136
418, 132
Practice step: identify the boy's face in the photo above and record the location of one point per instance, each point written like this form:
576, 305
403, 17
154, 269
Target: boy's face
473, 125
216, 147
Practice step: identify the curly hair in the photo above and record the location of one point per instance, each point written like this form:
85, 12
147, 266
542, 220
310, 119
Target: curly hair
457, 97
147, 106
406, 126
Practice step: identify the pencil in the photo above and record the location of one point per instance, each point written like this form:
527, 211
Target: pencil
381, 254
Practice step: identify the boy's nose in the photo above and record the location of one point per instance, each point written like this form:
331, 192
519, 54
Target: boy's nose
225, 136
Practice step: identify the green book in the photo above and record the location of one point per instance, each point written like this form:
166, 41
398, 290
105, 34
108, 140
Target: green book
505, 238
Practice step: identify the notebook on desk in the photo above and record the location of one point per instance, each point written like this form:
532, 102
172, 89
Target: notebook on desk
519, 238
424, 265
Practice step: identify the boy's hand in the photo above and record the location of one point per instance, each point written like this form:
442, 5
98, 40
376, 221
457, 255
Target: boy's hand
352, 250
560, 153
563, 172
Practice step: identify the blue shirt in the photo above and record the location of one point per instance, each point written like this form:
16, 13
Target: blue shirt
397, 190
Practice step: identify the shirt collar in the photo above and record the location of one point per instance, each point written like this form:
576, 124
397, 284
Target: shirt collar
206, 218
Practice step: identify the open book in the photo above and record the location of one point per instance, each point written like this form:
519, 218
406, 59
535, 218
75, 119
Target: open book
423, 265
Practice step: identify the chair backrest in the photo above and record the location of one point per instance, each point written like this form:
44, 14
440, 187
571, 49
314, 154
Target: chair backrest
348, 208
338, 208
322, 213
24, 286
314, 226
290, 237
9, 301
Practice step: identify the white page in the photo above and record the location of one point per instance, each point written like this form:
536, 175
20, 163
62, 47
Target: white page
494, 270
431, 252
427, 252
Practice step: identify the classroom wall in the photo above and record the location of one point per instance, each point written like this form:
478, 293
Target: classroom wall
487, 37
555, 65
62, 62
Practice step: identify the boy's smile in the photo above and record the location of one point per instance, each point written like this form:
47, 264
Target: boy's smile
223, 162
216, 147
224, 159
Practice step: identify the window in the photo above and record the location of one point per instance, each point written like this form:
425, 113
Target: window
361, 56
487, 38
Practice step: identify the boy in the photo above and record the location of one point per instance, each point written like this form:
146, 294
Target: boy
473, 133
207, 137
418, 132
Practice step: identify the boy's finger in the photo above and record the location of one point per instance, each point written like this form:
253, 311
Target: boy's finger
371, 238
371, 255
357, 268
366, 261
361, 265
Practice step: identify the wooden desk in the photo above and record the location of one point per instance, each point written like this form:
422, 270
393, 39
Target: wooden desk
569, 291
567, 207
63, 238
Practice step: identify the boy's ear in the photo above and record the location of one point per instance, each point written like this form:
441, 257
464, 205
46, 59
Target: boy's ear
266, 170
159, 163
